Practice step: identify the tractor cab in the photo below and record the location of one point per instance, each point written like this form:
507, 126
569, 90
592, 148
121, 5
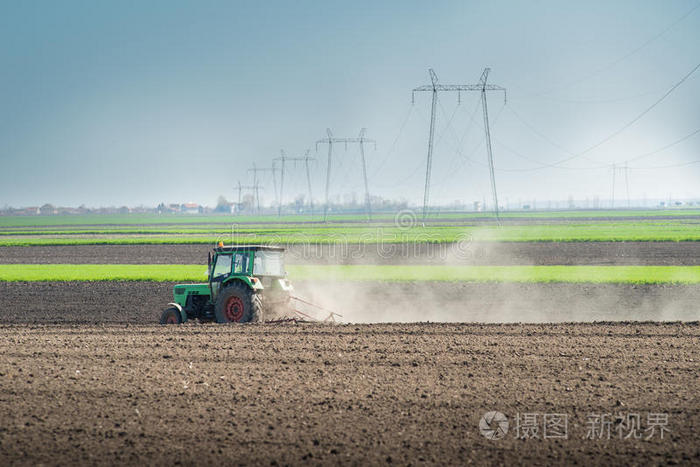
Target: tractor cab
260, 267
244, 282
256, 261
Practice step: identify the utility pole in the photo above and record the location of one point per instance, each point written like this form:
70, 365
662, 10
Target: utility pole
283, 158
255, 171
361, 140
435, 88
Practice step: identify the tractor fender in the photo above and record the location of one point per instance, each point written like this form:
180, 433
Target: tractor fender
183, 315
253, 283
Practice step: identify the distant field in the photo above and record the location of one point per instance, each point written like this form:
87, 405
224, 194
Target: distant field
146, 219
534, 274
580, 231
561, 226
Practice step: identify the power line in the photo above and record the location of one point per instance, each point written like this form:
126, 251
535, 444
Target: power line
392, 148
460, 141
254, 189
624, 57
449, 120
284, 158
458, 153
468, 157
434, 88
652, 39
646, 111
256, 170
627, 125
586, 101
682, 164
360, 140
625, 170
540, 134
678, 141
471, 122
402, 181
595, 167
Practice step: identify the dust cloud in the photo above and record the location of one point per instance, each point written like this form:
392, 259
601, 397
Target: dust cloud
365, 302
491, 302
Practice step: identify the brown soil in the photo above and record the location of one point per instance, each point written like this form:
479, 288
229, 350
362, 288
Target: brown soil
571, 253
142, 302
356, 394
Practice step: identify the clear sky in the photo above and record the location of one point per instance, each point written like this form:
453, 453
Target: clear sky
138, 102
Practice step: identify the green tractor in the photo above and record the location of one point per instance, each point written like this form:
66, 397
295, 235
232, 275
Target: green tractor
247, 284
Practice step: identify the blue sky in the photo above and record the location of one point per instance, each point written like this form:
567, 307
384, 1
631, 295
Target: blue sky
126, 102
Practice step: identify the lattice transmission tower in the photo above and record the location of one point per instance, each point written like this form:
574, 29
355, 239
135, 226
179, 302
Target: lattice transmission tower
330, 140
305, 159
255, 189
257, 170
435, 87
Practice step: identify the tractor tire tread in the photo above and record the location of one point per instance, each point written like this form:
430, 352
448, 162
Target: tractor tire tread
251, 302
256, 309
171, 312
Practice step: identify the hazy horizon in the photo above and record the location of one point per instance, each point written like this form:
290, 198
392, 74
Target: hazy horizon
133, 103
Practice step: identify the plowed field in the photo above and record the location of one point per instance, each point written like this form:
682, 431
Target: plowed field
354, 394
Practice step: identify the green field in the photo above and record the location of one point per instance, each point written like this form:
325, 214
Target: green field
146, 219
619, 231
569, 226
534, 274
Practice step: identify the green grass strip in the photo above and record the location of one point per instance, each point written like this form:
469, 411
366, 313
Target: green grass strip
538, 274
103, 272
667, 231
382, 273
144, 219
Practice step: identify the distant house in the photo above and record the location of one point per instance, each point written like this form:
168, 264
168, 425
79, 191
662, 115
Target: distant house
31, 211
48, 209
191, 208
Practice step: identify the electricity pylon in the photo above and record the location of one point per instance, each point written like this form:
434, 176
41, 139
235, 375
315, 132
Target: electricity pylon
361, 140
435, 88
255, 171
625, 170
253, 188
283, 158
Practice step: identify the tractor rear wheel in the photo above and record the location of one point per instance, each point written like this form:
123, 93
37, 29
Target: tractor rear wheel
237, 303
171, 316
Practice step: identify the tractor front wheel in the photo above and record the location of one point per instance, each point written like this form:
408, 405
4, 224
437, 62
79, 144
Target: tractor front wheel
171, 316
238, 304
